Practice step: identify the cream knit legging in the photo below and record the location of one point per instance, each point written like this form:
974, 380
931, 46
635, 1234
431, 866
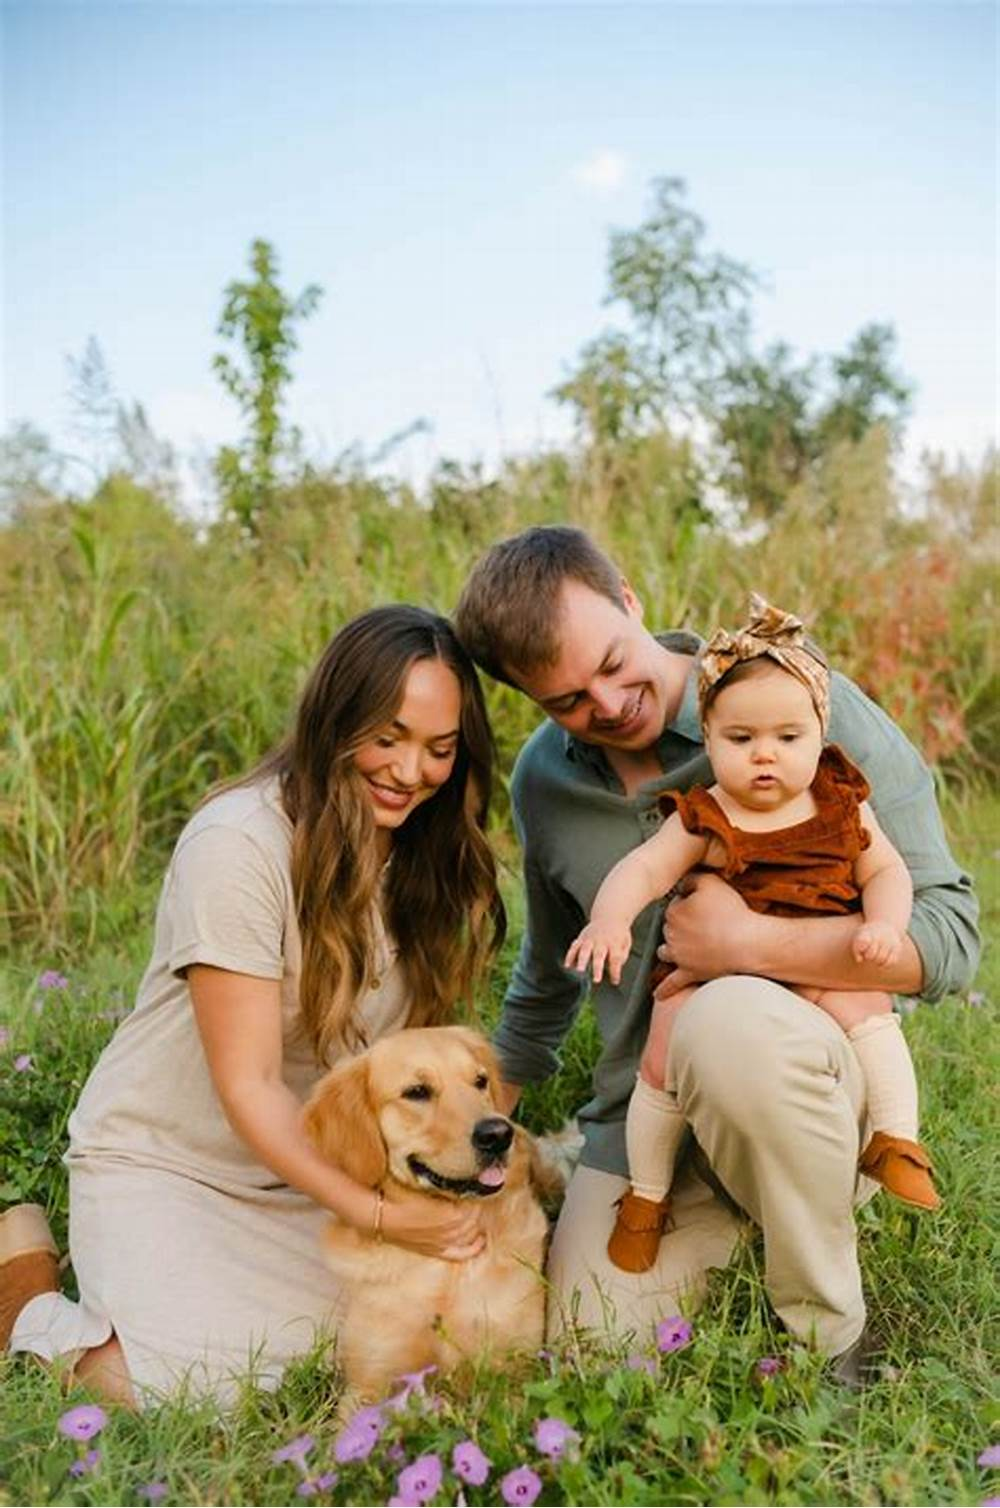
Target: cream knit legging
774, 1093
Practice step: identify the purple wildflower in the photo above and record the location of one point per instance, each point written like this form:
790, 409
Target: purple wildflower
83, 1422
309, 1486
769, 1366
522, 1485
469, 1464
419, 1482
673, 1334
359, 1436
52, 980
554, 1437
153, 1492
84, 1465
637, 1363
989, 1457
990, 1503
975, 997
413, 1384
296, 1450
414, 1381
23, 1062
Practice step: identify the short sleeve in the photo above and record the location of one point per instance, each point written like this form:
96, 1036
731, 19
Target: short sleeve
845, 774
848, 786
702, 815
226, 904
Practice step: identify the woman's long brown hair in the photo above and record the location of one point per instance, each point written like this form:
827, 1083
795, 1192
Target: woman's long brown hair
440, 900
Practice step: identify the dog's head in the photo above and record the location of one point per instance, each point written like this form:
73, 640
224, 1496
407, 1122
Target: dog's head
420, 1107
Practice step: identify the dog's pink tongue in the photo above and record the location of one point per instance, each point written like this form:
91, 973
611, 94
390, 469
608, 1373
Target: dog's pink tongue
493, 1176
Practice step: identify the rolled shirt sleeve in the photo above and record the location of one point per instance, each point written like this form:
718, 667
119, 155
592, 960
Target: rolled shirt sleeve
543, 998
944, 922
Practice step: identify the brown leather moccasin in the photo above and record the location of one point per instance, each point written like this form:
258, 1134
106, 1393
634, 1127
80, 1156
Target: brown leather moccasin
903, 1168
28, 1262
635, 1239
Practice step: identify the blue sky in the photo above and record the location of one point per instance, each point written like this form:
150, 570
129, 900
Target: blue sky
449, 175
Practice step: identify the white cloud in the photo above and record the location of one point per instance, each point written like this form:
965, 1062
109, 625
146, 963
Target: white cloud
603, 171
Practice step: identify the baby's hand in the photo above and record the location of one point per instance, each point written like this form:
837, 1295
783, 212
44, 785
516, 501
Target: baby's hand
877, 942
597, 945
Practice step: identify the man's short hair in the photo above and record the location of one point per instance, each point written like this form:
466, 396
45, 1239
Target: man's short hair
508, 614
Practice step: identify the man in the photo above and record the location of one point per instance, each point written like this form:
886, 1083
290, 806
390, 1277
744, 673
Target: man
768, 1083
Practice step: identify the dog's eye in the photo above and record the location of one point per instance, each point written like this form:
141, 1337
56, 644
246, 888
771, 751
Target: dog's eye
482, 1081
417, 1092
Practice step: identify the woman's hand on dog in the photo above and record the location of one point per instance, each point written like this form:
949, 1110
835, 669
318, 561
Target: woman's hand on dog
433, 1227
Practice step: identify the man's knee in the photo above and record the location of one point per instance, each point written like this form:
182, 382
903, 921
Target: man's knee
739, 1044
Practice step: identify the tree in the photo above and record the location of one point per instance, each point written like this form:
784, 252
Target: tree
764, 428
610, 391
261, 317
688, 309
690, 306
773, 421
867, 391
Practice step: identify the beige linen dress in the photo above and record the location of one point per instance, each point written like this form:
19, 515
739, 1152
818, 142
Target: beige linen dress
198, 1258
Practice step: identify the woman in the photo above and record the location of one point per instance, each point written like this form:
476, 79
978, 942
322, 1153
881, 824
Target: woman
343, 889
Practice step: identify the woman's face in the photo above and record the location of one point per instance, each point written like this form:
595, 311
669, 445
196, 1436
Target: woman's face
404, 763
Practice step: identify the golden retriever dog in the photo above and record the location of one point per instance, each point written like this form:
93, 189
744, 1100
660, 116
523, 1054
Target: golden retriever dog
419, 1110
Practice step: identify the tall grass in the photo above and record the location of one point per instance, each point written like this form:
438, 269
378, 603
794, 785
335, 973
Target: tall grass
143, 659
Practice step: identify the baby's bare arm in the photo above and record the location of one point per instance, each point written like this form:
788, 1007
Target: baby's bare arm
644, 875
886, 897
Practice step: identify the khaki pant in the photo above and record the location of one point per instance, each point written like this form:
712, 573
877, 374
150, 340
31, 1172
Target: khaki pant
774, 1095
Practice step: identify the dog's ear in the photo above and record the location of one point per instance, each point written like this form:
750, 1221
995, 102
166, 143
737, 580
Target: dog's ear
340, 1121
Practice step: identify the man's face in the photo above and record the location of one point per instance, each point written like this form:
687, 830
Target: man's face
609, 685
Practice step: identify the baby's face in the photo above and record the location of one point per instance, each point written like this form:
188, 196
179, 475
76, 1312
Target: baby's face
764, 739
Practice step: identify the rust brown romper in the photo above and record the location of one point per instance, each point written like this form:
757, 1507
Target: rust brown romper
801, 870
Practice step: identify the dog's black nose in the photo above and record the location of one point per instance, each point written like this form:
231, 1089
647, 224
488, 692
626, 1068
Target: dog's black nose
492, 1136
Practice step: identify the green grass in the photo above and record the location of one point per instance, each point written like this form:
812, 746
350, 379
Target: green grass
704, 1429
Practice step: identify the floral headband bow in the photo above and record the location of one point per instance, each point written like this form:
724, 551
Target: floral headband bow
778, 636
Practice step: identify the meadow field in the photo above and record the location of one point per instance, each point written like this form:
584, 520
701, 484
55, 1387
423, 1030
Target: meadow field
146, 657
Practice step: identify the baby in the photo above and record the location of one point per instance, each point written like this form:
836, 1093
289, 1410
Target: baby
789, 826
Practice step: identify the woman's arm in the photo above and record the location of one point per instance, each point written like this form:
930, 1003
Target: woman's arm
239, 1019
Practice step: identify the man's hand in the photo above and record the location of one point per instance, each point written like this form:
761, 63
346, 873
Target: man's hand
706, 933
711, 932
877, 942
674, 982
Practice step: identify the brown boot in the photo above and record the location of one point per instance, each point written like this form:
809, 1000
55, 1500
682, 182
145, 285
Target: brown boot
903, 1168
28, 1263
635, 1239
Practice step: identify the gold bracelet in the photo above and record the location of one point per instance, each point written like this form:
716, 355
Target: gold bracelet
379, 1207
